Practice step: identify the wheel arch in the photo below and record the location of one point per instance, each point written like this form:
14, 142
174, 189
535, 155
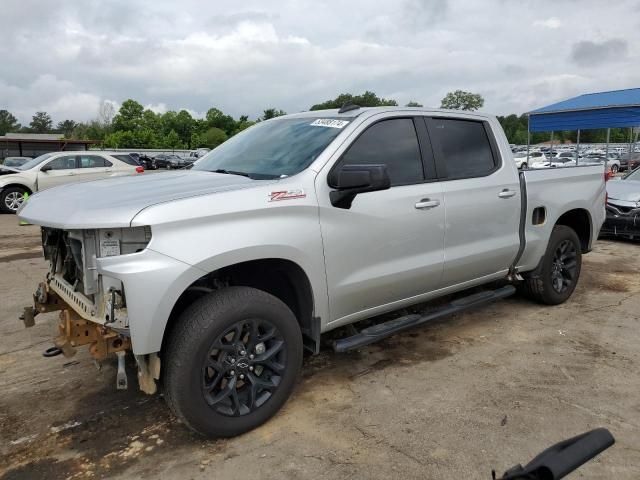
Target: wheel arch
19, 185
282, 278
579, 220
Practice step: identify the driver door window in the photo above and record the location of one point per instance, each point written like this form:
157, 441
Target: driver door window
63, 163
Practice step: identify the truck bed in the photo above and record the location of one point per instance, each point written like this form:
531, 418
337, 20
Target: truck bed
559, 190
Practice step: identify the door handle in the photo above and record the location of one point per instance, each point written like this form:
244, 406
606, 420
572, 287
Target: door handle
506, 193
426, 203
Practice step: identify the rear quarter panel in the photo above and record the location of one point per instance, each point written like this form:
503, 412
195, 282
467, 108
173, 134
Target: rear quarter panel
560, 190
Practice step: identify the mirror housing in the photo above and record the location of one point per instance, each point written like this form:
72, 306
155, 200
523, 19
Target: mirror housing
350, 180
46, 168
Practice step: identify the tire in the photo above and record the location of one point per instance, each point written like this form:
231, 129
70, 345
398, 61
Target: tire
614, 168
213, 400
11, 199
524, 166
542, 286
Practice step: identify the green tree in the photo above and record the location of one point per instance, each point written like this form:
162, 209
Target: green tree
66, 127
461, 100
272, 113
129, 117
171, 140
211, 138
367, 99
242, 123
41, 122
216, 118
8, 123
413, 104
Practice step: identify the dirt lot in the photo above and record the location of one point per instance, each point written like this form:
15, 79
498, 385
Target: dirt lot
481, 390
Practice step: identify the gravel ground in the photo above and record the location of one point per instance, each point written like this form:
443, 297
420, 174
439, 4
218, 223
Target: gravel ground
481, 390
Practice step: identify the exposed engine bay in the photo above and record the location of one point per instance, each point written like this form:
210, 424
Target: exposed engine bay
93, 308
73, 273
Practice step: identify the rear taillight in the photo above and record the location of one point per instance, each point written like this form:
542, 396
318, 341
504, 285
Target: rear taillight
139, 170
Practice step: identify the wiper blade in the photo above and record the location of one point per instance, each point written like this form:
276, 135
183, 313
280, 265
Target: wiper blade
231, 172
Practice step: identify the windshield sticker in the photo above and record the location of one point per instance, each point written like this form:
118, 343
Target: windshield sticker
286, 195
328, 122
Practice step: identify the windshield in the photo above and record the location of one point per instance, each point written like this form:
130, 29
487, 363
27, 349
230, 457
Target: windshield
635, 175
34, 162
273, 149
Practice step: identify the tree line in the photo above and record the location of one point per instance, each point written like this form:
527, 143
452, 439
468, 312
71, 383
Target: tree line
133, 126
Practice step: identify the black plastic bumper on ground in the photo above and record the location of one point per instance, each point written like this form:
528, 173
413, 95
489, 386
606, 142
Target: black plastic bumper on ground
382, 330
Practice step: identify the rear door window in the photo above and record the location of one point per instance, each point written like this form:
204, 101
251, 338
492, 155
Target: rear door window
393, 143
463, 148
93, 161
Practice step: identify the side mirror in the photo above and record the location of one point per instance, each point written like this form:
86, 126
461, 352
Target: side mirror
350, 180
46, 168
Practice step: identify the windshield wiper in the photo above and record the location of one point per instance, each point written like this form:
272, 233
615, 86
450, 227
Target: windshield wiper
231, 172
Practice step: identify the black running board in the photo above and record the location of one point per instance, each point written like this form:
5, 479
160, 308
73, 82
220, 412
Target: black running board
383, 330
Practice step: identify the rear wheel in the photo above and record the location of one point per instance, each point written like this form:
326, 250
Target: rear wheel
524, 166
232, 361
614, 168
558, 276
11, 198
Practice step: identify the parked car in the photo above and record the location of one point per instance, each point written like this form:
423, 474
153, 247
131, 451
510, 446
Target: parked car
58, 168
147, 162
536, 159
127, 158
14, 161
218, 277
520, 158
629, 162
623, 206
169, 161
613, 164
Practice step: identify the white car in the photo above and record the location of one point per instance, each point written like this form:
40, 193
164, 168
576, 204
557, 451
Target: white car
521, 159
534, 159
57, 168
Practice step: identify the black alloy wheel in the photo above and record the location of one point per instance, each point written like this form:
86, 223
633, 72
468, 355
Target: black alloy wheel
244, 367
564, 266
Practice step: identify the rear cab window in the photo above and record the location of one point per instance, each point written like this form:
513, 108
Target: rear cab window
463, 148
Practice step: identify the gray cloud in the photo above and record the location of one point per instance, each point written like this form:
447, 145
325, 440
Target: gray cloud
65, 57
588, 53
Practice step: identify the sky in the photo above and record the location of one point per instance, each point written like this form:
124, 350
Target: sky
68, 56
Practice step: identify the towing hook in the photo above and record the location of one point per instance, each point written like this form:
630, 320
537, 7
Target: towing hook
51, 352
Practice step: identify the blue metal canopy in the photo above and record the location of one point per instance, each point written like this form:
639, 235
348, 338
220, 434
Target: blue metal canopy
618, 108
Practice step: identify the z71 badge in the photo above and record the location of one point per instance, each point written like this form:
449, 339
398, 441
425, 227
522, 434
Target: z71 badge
286, 195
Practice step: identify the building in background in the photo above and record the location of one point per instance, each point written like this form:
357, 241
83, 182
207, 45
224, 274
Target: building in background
35, 144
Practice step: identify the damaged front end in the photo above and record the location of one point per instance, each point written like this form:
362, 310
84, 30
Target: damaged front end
93, 307
623, 219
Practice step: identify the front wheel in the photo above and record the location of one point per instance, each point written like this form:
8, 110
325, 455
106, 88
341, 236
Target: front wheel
11, 198
558, 275
232, 361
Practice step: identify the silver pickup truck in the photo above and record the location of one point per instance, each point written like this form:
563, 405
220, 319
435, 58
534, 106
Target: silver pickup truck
220, 276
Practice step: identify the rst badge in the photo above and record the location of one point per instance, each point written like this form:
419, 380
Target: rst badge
286, 195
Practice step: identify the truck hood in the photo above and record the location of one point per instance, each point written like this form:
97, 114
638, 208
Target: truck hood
113, 202
627, 190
